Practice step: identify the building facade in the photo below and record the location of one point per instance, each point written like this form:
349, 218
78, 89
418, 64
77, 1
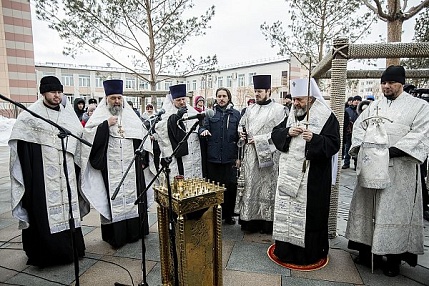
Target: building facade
17, 72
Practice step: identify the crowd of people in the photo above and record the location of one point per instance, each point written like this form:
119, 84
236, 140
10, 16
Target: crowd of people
286, 155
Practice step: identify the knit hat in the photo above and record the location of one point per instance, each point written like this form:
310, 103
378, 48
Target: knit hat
199, 98
394, 73
92, 101
178, 90
50, 83
113, 86
262, 81
357, 97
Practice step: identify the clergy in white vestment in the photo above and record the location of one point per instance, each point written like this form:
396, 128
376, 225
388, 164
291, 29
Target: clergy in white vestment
115, 132
171, 130
38, 183
386, 213
255, 204
308, 140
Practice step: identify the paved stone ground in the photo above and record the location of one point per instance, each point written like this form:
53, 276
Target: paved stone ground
244, 260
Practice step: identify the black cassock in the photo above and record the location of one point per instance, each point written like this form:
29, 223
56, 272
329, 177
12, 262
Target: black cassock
119, 233
319, 151
42, 248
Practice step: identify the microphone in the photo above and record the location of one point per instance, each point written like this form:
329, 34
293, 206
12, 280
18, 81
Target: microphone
159, 113
209, 113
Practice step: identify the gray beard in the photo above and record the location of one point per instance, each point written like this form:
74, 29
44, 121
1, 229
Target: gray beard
115, 110
300, 112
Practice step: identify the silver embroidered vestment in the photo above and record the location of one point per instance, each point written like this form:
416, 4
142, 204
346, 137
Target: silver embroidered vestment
260, 162
398, 214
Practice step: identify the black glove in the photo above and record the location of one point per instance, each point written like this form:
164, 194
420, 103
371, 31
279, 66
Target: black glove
182, 111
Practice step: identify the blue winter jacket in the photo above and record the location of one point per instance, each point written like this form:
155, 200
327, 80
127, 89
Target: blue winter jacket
222, 144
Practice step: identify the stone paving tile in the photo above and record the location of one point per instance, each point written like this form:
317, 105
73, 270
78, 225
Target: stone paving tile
59, 274
379, 279
5, 222
419, 274
259, 238
9, 232
232, 232
238, 278
227, 247
154, 275
252, 257
133, 250
94, 244
289, 281
105, 273
340, 268
11, 259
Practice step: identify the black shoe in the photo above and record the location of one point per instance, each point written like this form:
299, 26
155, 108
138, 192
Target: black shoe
345, 167
426, 215
392, 265
391, 270
366, 261
230, 221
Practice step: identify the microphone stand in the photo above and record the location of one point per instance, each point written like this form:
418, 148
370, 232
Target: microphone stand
141, 201
171, 227
63, 133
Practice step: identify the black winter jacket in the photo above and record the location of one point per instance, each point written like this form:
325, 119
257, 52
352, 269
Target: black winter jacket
222, 144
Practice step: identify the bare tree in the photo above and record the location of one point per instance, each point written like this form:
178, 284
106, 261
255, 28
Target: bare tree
395, 15
150, 32
313, 24
421, 34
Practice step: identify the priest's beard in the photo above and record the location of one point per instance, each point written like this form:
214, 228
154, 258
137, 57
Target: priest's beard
300, 111
115, 110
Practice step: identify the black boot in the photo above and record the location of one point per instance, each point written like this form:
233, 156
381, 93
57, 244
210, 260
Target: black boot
392, 265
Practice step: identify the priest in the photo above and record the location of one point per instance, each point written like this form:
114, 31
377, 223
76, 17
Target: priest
255, 205
115, 132
307, 140
38, 183
388, 220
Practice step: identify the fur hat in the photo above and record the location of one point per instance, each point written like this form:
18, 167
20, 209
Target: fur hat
262, 81
113, 86
394, 73
178, 90
50, 83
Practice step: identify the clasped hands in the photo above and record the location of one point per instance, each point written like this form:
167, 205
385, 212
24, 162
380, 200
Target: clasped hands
307, 135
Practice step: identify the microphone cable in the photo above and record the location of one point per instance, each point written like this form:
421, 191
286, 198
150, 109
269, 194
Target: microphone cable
2, 247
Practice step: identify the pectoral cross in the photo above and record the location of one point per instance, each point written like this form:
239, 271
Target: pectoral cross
121, 131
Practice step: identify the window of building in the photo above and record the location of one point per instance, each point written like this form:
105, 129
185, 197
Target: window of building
285, 78
130, 83
220, 81
194, 84
251, 74
167, 84
98, 82
67, 79
188, 85
143, 85
228, 81
84, 81
241, 81
203, 83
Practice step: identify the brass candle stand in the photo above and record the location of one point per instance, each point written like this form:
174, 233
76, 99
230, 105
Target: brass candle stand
196, 207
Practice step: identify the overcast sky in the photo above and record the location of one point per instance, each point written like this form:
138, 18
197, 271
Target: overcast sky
235, 36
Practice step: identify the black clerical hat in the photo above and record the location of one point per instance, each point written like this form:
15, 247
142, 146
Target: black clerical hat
178, 90
113, 86
262, 81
